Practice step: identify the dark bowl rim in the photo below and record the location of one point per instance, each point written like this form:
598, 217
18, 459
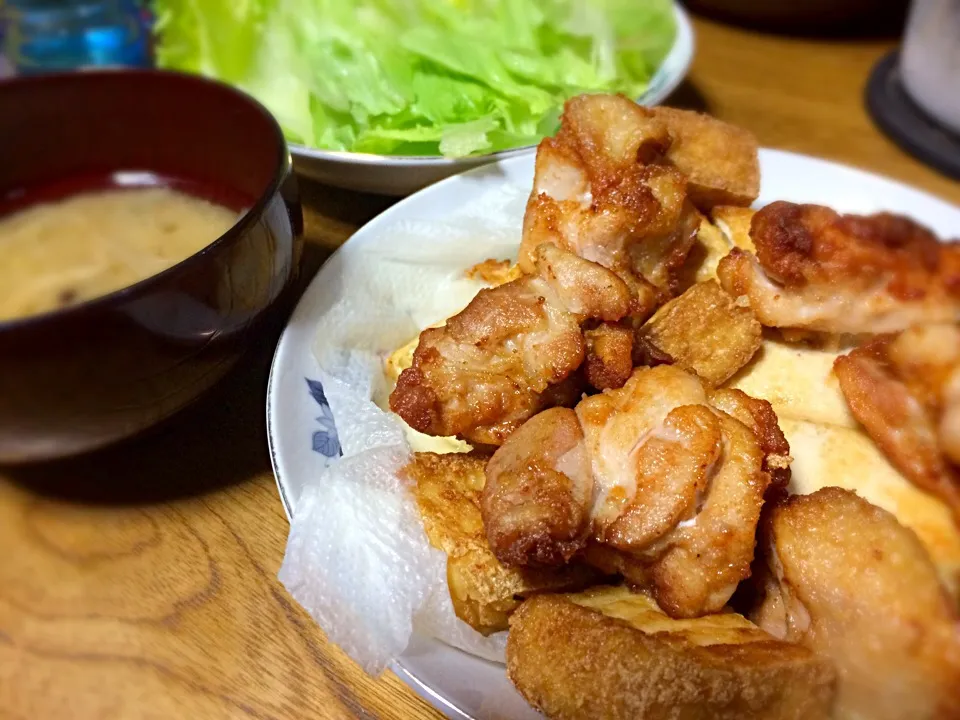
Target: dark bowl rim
282, 169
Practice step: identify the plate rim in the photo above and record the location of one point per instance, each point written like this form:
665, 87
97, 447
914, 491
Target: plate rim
423, 689
672, 71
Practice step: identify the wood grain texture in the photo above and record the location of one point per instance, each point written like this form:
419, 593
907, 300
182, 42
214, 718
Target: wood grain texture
141, 582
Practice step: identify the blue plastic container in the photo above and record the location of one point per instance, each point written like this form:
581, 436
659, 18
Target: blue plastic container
55, 35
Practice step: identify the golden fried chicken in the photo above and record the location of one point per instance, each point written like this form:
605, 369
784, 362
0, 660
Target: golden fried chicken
484, 592
699, 563
817, 270
538, 494
927, 359
507, 354
650, 481
759, 416
703, 331
612, 654
847, 581
609, 357
903, 390
652, 441
602, 192
720, 160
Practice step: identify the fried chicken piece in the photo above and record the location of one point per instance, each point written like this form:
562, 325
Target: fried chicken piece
734, 223
609, 359
896, 387
817, 270
849, 582
672, 467
493, 365
616, 425
649, 480
536, 503
484, 592
700, 562
721, 161
759, 416
608, 653
600, 192
704, 331
678, 489
927, 358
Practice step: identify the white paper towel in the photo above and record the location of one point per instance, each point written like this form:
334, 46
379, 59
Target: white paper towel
358, 558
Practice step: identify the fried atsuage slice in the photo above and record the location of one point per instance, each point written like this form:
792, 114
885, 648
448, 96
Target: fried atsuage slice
709, 248
494, 272
650, 481
703, 331
721, 161
507, 354
904, 391
484, 592
609, 653
817, 270
847, 581
734, 222
602, 191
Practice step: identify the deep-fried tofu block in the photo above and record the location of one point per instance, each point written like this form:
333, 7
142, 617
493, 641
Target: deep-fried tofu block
399, 360
703, 331
734, 223
845, 579
484, 592
608, 653
709, 247
494, 272
720, 160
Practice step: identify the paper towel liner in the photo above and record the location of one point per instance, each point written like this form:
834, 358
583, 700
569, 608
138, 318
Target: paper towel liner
357, 557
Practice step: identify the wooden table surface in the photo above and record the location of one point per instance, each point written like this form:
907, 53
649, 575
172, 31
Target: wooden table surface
141, 582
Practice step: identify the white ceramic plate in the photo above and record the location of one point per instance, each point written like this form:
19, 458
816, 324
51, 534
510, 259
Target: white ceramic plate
301, 428
397, 175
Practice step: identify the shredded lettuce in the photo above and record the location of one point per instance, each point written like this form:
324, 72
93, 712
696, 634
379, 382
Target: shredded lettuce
417, 77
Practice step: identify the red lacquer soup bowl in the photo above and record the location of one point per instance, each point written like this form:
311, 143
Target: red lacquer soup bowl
81, 377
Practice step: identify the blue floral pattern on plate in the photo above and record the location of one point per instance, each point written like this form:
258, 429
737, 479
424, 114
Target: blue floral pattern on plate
325, 440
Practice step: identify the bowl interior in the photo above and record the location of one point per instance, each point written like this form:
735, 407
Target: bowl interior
77, 378
87, 130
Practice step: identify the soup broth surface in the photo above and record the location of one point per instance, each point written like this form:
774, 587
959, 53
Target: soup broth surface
57, 254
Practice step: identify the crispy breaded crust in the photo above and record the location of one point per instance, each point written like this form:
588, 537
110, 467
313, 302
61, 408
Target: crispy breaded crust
704, 331
720, 160
613, 655
483, 591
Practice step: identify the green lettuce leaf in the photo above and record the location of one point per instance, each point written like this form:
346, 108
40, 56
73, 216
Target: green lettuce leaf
414, 77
